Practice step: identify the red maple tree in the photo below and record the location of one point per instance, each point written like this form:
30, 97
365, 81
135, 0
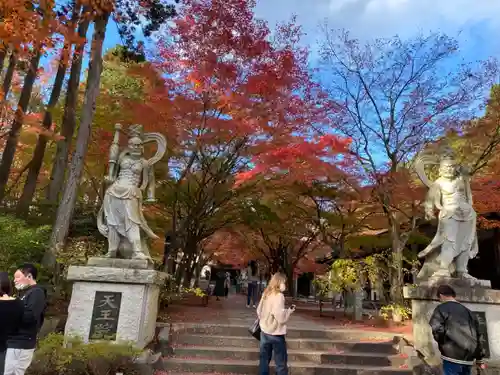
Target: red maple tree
227, 78
236, 102
226, 247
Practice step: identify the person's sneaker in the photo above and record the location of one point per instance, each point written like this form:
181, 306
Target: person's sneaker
248, 306
254, 306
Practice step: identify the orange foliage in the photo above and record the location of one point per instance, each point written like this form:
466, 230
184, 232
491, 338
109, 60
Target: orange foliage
308, 263
238, 246
226, 78
486, 198
226, 247
479, 144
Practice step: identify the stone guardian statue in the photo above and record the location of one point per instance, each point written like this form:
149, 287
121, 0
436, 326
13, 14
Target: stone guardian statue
455, 241
120, 218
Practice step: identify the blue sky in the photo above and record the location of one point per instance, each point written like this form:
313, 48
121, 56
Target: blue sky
476, 23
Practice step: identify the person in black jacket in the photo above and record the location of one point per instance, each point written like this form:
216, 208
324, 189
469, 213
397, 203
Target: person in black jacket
21, 345
456, 331
219, 285
11, 312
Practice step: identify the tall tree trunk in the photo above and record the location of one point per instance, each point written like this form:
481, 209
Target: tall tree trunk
183, 269
67, 205
13, 135
7, 82
190, 271
189, 255
180, 271
9, 74
39, 153
3, 54
69, 118
396, 271
290, 278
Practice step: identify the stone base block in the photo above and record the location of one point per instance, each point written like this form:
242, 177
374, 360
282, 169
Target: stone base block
485, 302
435, 281
120, 263
117, 304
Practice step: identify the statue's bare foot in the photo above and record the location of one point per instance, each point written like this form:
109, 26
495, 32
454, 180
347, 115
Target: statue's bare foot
140, 256
442, 273
466, 276
110, 254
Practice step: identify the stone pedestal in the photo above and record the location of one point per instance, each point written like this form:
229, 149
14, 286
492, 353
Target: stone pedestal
114, 299
358, 297
475, 295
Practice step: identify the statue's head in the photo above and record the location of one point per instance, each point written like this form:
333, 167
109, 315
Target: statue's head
135, 141
448, 167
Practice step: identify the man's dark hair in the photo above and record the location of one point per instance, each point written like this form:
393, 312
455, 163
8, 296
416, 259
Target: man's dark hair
28, 269
5, 284
446, 291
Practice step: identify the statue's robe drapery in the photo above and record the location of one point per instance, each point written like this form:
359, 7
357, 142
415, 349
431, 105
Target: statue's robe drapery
122, 205
456, 232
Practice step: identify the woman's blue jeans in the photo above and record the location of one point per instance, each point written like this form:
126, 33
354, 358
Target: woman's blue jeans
450, 368
268, 345
252, 293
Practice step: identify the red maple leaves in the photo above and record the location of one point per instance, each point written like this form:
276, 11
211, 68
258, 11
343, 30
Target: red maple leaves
486, 198
226, 77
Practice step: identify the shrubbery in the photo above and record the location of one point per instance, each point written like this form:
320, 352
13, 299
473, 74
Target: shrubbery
21, 243
76, 358
172, 292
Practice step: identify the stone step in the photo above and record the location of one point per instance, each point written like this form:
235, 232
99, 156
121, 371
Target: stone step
319, 357
193, 365
292, 332
249, 342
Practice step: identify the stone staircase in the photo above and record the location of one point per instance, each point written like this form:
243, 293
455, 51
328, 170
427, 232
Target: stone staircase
228, 348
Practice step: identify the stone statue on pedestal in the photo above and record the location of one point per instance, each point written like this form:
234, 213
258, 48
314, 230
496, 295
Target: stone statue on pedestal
448, 255
455, 241
120, 218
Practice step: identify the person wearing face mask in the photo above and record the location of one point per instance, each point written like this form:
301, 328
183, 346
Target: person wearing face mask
11, 312
273, 317
21, 345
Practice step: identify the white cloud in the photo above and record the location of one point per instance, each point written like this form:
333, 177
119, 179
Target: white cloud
384, 18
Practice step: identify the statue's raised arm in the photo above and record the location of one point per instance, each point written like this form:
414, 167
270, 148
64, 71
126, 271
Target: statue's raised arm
120, 218
114, 154
432, 199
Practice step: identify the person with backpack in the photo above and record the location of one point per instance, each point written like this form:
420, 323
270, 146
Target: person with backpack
456, 331
21, 345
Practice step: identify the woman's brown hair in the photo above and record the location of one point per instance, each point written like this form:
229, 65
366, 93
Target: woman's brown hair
5, 284
274, 285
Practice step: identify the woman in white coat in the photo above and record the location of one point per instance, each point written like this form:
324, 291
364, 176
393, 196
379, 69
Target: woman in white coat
273, 317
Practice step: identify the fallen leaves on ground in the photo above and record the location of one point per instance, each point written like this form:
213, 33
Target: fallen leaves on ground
338, 320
